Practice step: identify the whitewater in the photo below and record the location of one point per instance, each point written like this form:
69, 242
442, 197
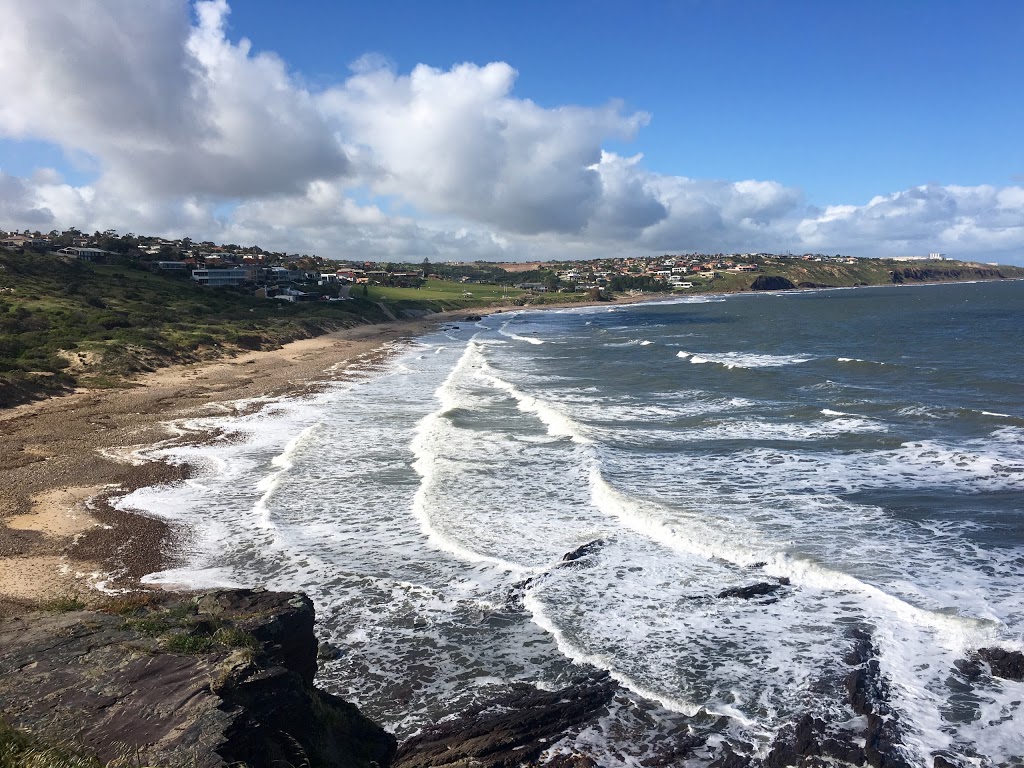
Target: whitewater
858, 454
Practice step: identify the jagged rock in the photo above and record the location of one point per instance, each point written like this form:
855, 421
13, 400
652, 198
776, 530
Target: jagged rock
1003, 663
509, 731
583, 550
472, 318
868, 694
218, 679
730, 759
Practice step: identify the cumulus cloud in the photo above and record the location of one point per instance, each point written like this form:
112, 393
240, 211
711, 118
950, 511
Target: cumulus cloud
922, 219
165, 107
190, 132
457, 142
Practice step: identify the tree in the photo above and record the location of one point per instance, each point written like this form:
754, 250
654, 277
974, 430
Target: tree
551, 281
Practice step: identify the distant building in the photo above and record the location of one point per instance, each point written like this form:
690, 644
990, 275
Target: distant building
172, 266
220, 277
937, 256
85, 254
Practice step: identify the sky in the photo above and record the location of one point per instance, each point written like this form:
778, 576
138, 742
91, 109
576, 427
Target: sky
533, 130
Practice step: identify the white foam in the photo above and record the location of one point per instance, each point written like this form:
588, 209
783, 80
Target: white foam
604, 662
645, 518
504, 330
744, 360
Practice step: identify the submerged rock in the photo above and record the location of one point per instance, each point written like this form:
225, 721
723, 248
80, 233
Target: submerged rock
216, 679
755, 590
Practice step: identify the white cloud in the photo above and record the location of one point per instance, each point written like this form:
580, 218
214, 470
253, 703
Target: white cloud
457, 142
962, 220
192, 133
166, 108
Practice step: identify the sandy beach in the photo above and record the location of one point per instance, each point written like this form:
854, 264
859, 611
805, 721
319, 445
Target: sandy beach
62, 458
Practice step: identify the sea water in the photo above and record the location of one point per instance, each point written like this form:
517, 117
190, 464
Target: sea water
867, 445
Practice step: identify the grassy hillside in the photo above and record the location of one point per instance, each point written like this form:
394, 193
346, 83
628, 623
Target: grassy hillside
65, 323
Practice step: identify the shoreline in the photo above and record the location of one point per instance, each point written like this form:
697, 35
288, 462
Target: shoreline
63, 458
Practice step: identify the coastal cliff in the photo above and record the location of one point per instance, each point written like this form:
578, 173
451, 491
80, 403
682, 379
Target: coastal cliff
206, 680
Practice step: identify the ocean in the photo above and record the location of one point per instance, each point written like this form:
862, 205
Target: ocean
856, 456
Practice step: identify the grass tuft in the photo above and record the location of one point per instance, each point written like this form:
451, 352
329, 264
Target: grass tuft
20, 749
64, 604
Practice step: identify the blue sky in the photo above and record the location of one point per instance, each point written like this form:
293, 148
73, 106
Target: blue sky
844, 100
761, 125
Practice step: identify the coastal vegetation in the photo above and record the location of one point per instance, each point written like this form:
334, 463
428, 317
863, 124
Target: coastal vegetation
66, 323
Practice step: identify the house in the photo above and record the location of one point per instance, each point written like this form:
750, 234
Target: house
219, 277
171, 266
21, 241
85, 254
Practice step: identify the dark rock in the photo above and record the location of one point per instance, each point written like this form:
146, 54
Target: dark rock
583, 550
730, 759
472, 318
753, 590
111, 682
794, 742
868, 694
772, 283
509, 731
328, 652
1006, 664
970, 669
572, 761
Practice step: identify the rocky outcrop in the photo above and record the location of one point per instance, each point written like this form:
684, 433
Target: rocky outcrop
1003, 663
772, 283
210, 680
938, 274
510, 731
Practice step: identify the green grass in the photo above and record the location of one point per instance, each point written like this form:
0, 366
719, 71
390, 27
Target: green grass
64, 604
442, 291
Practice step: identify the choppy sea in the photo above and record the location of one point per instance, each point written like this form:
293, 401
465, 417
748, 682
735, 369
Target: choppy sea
864, 445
